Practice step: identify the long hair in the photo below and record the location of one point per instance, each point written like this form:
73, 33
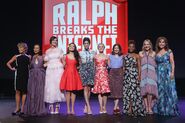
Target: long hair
76, 54
157, 48
151, 46
120, 49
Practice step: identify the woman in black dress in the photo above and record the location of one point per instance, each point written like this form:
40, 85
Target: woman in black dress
21, 69
132, 100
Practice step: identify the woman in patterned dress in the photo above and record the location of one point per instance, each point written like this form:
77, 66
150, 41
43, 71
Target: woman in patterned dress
167, 100
149, 90
116, 76
87, 72
101, 80
52, 94
132, 100
22, 62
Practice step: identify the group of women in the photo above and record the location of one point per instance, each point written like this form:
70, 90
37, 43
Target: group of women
145, 81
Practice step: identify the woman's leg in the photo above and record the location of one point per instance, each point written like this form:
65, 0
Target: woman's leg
87, 92
149, 97
73, 98
17, 100
146, 103
104, 103
23, 102
100, 99
68, 101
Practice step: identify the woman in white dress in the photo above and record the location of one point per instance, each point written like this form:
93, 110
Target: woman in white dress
52, 94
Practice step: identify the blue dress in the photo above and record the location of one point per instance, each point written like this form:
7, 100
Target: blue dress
167, 95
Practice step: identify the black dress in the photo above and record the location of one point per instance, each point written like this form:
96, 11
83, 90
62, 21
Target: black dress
131, 88
22, 72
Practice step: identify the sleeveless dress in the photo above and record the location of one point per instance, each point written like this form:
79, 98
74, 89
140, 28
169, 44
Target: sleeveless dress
167, 100
35, 97
71, 80
131, 88
54, 71
116, 76
101, 80
22, 72
148, 76
87, 68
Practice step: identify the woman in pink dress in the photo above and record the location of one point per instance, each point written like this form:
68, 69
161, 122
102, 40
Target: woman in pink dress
101, 80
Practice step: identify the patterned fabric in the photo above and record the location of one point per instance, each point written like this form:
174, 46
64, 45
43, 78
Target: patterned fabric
87, 56
148, 76
116, 82
54, 71
131, 88
71, 80
87, 68
101, 80
167, 100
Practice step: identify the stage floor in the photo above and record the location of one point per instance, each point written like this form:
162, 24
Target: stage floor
8, 105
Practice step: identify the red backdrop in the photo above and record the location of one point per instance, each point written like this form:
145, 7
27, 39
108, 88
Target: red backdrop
103, 21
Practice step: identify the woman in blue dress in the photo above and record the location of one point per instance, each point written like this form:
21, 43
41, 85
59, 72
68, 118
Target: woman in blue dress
167, 95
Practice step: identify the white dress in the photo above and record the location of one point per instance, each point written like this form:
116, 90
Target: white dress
54, 71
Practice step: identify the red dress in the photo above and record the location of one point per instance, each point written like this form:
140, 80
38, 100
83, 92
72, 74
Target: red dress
70, 80
101, 80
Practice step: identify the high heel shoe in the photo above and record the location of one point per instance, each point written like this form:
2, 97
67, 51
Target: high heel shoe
16, 112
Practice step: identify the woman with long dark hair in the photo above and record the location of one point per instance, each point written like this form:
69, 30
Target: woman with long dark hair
71, 81
167, 99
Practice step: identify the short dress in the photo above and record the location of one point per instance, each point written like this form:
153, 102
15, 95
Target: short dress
22, 72
71, 80
87, 67
101, 85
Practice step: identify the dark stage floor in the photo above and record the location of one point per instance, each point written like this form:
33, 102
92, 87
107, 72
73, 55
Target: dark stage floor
7, 106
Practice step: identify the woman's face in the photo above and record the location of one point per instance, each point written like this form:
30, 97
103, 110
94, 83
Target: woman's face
162, 44
131, 48
54, 43
21, 49
116, 49
101, 48
36, 49
86, 45
71, 47
147, 46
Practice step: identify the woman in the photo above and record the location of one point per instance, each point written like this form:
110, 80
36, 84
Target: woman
149, 90
53, 61
87, 72
167, 100
132, 100
22, 62
35, 105
116, 76
71, 81
101, 79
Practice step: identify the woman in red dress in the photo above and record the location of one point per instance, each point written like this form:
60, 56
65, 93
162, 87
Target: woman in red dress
70, 81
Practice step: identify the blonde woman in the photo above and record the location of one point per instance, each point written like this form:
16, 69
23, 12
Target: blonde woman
22, 61
148, 84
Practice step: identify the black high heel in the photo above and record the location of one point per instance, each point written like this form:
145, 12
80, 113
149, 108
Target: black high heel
16, 112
